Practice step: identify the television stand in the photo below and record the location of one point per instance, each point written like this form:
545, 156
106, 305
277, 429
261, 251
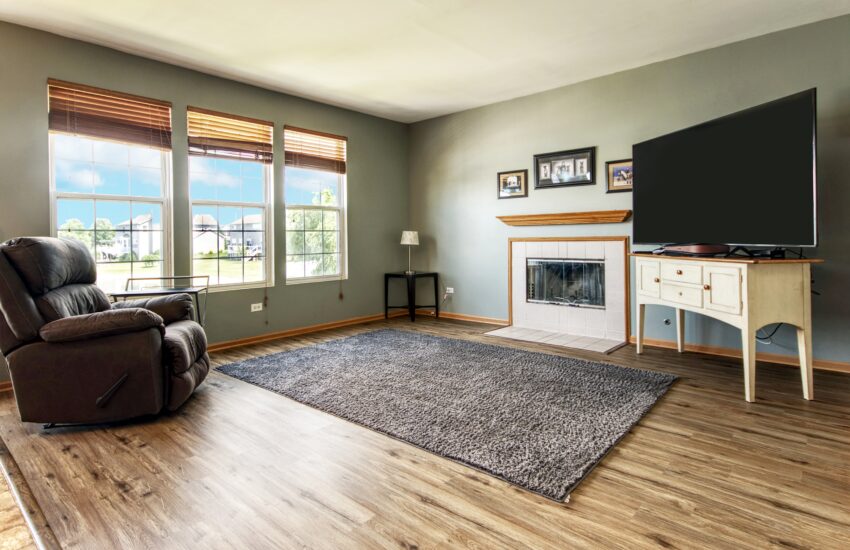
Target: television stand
747, 293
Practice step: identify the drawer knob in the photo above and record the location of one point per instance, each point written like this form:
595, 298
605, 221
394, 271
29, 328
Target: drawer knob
678, 272
706, 287
656, 280
680, 294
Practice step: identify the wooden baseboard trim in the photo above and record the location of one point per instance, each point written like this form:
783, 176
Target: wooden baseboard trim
230, 344
790, 360
5, 386
465, 317
219, 346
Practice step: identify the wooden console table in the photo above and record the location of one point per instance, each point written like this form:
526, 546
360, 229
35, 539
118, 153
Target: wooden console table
747, 293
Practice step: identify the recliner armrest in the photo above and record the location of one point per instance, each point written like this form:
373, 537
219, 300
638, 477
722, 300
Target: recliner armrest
103, 323
172, 308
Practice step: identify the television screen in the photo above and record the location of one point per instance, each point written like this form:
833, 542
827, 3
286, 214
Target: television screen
744, 179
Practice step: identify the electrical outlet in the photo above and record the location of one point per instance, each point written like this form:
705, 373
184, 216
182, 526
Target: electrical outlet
256, 307
450, 290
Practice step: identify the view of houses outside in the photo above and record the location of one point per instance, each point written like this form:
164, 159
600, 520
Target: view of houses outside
228, 219
110, 196
129, 247
228, 243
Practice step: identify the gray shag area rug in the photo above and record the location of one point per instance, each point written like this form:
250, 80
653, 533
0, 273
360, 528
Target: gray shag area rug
539, 421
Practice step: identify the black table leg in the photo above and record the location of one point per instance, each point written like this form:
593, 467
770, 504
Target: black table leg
436, 298
411, 297
386, 293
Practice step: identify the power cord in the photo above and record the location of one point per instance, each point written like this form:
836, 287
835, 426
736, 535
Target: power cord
769, 338
266, 304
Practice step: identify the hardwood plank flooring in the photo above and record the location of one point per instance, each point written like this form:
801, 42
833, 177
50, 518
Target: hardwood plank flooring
14, 534
239, 466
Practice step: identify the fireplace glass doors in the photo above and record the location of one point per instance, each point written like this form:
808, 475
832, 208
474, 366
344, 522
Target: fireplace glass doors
577, 283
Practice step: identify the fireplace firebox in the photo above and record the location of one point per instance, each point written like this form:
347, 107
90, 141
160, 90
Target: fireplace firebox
566, 282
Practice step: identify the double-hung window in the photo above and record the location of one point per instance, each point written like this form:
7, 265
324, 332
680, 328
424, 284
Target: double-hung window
315, 200
230, 159
110, 168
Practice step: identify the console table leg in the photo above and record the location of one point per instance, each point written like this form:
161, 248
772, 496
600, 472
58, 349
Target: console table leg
749, 356
804, 346
641, 315
680, 330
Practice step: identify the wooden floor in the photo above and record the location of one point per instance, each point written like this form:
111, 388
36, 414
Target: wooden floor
14, 534
241, 467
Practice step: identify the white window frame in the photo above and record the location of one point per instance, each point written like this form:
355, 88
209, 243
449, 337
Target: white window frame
165, 200
268, 224
342, 209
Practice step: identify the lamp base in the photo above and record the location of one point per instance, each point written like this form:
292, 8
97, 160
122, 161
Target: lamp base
409, 272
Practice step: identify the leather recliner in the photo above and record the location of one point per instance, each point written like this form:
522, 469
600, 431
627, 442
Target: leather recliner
75, 358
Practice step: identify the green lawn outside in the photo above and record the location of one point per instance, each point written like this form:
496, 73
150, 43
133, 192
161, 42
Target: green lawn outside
113, 276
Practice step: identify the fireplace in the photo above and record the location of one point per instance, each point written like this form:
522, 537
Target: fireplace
569, 291
566, 282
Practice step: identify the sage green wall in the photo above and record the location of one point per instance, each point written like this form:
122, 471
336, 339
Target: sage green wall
438, 176
377, 179
454, 160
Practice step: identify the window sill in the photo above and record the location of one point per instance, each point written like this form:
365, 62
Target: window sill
240, 286
305, 280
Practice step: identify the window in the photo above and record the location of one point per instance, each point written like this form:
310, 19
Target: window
110, 179
315, 199
229, 187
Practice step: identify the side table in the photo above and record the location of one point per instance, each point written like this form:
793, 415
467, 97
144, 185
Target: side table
411, 292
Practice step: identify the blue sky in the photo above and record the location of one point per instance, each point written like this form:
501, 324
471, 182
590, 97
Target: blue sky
302, 185
99, 167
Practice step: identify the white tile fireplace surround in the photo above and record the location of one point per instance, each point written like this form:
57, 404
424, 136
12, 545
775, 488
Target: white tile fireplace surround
580, 311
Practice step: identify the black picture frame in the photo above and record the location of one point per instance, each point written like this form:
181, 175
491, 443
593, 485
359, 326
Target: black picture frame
561, 168
505, 188
612, 185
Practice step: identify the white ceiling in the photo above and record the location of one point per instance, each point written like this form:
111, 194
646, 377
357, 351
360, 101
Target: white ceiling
409, 60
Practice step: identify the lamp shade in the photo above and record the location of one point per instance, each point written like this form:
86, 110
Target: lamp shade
410, 238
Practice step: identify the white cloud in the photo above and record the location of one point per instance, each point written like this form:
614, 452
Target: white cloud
81, 178
309, 185
216, 179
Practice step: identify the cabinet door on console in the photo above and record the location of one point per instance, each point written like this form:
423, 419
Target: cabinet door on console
648, 278
722, 289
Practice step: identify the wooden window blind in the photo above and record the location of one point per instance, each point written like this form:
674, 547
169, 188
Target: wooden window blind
229, 136
315, 150
95, 112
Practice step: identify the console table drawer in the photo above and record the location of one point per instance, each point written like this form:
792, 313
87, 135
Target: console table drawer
681, 273
681, 294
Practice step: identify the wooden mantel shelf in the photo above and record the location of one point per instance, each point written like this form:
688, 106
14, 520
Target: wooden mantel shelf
568, 218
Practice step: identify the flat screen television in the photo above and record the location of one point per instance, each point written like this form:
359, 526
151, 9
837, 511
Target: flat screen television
746, 179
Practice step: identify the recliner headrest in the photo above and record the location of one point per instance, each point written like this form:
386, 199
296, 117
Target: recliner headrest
45, 263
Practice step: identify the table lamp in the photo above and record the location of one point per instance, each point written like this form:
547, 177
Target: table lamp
409, 238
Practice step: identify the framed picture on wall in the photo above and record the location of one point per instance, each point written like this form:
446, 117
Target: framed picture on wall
513, 184
565, 168
619, 175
